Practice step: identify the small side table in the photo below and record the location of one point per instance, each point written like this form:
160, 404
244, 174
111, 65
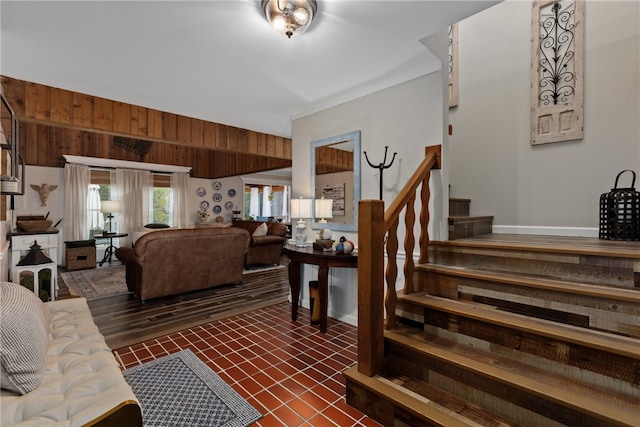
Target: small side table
108, 253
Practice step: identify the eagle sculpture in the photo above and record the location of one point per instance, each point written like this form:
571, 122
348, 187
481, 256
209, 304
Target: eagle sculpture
44, 190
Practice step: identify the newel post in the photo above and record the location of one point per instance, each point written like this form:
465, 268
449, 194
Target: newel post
370, 286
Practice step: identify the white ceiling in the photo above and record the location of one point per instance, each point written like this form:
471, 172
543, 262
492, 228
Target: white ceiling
220, 60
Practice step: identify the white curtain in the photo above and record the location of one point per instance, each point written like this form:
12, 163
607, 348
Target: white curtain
254, 204
95, 217
134, 190
76, 187
179, 188
285, 201
266, 203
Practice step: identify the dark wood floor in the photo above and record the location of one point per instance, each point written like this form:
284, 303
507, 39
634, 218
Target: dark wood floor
124, 321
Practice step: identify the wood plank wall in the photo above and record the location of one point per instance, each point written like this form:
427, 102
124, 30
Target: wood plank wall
331, 160
54, 122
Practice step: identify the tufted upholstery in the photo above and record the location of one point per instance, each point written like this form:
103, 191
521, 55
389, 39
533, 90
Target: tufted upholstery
82, 381
178, 260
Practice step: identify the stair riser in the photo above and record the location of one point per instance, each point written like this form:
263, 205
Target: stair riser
619, 317
381, 409
461, 228
547, 350
509, 401
619, 272
459, 207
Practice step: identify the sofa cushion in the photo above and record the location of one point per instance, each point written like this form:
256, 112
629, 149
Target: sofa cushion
23, 338
261, 230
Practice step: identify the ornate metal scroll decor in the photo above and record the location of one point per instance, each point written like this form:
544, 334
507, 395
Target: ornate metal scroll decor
557, 70
556, 44
453, 65
138, 146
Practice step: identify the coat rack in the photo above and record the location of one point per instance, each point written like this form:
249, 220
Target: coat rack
381, 166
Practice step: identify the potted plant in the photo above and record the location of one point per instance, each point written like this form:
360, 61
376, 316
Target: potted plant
203, 215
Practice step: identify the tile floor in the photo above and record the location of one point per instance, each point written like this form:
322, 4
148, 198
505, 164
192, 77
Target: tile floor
288, 371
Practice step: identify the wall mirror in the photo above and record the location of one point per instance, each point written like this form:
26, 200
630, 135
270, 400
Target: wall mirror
335, 175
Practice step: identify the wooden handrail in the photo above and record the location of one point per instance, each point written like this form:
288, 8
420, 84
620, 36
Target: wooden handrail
373, 224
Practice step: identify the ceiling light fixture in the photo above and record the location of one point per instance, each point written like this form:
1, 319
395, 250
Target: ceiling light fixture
289, 16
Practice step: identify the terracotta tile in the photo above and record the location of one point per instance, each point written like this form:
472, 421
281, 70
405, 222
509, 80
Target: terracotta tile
251, 385
270, 420
281, 393
288, 416
321, 421
263, 379
348, 409
268, 400
338, 417
275, 373
302, 408
294, 387
326, 393
314, 401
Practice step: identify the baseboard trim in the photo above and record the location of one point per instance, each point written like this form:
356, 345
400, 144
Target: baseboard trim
546, 231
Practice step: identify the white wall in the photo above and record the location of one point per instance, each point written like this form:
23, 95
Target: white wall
407, 118
550, 188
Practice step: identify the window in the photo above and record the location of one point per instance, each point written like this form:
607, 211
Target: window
162, 200
99, 190
262, 201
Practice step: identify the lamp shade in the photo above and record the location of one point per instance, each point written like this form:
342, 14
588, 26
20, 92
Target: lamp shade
110, 206
324, 208
301, 208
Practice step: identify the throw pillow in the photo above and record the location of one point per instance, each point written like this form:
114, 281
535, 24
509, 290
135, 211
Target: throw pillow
261, 230
23, 338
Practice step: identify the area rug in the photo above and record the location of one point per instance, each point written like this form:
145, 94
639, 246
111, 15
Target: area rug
96, 283
181, 390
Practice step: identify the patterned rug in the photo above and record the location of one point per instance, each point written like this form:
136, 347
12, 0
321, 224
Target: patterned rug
96, 283
180, 390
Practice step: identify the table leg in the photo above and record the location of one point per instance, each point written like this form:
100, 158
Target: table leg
323, 295
294, 284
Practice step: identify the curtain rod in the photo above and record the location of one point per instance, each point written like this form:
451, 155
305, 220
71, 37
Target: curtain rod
113, 164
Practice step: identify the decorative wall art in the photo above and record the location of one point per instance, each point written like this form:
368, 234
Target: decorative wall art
557, 44
336, 193
201, 191
453, 65
204, 205
217, 185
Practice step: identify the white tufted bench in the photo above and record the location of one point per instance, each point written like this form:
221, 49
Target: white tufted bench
82, 383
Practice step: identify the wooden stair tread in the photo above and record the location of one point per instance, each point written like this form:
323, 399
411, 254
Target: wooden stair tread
422, 407
551, 244
627, 347
604, 292
589, 400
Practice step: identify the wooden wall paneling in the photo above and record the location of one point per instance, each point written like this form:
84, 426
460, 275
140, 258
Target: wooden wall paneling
252, 145
233, 135
60, 106
262, 144
169, 127
221, 137
197, 133
183, 133
210, 134
122, 118
104, 146
154, 123
14, 91
82, 113
43, 138
279, 147
271, 145
36, 101
139, 121
286, 153
102, 114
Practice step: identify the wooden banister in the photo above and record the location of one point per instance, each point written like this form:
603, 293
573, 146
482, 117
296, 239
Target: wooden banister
373, 224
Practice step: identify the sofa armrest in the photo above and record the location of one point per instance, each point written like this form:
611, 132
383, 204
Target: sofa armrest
126, 255
266, 240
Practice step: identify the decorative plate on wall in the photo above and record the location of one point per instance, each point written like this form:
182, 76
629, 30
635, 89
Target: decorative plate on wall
204, 205
201, 191
217, 209
228, 206
231, 192
217, 197
217, 185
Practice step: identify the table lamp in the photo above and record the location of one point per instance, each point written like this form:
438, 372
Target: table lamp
301, 208
324, 210
110, 207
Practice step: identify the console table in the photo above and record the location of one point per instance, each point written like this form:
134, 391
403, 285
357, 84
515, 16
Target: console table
108, 253
324, 260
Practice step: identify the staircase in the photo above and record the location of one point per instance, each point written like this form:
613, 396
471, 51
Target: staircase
500, 330
461, 224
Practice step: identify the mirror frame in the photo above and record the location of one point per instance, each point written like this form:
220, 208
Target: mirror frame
345, 137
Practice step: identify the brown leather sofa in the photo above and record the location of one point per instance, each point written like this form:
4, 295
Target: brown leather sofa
174, 261
265, 249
